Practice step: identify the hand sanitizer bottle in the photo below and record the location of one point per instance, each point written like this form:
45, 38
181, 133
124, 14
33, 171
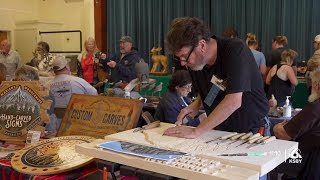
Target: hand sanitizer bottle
287, 108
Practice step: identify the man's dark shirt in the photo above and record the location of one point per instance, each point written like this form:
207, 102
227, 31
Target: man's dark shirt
125, 68
236, 65
305, 127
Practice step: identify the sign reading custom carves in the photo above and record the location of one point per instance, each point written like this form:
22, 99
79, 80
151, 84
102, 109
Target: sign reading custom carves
22, 108
98, 116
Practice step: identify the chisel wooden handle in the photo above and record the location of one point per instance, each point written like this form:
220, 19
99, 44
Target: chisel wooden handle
246, 136
237, 136
228, 135
151, 125
250, 141
254, 136
262, 139
272, 138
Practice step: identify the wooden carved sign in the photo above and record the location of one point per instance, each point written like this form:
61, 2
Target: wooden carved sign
51, 156
22, 108
98, 116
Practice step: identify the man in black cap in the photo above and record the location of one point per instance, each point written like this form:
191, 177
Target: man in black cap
123, 65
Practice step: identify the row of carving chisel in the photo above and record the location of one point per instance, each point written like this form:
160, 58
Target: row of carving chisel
245, 138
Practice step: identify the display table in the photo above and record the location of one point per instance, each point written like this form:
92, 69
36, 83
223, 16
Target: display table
277, 152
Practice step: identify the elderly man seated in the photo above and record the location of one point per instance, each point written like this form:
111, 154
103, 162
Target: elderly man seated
305, 129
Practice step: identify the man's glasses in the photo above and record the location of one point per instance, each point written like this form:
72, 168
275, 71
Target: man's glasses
187, 59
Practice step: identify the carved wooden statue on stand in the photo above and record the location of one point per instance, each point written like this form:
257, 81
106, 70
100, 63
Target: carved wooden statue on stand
159, 59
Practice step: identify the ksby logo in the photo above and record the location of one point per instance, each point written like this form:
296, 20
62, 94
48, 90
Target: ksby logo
295, 156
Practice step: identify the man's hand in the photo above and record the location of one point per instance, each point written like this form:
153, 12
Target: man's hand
185, 111
182, 131
112, 64
280, 132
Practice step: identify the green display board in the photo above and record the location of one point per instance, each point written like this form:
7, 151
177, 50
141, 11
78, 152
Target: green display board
299, 98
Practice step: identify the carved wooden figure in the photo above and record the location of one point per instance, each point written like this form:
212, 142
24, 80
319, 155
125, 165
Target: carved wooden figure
159, 59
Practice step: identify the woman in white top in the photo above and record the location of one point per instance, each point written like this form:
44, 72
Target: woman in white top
282, 78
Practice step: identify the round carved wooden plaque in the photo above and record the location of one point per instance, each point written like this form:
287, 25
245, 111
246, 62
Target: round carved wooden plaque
51, 156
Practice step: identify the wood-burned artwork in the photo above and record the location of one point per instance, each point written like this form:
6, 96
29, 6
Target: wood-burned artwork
98, 116
22, 108
51, 156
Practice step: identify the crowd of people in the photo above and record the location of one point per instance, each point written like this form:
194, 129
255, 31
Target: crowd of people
233, 79
53, 71
231, 88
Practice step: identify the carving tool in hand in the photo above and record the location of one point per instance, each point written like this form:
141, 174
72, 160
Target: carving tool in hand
185, 119
245, 137
251, 139
223, 137
263, 141
148, 126
245, 154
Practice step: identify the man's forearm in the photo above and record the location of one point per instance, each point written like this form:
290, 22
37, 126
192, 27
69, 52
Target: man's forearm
280, 132
226, 107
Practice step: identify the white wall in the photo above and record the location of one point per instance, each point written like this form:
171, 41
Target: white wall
73, 14
16, 10
27, 17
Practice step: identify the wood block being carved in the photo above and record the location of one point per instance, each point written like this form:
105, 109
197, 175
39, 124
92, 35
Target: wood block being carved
22, 108
98, 116
159, 60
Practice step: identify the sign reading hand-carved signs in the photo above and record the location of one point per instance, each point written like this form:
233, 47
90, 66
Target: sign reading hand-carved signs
22, 108
98, 116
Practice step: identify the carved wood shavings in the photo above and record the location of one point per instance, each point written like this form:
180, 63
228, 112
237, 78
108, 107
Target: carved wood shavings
146, 138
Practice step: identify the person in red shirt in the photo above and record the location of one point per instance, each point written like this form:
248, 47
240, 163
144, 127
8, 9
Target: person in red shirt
89, 60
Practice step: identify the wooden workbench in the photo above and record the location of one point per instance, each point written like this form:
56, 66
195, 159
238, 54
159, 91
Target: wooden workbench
243, 167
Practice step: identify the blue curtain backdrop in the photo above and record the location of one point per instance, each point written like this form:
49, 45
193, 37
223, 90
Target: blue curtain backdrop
147, 21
